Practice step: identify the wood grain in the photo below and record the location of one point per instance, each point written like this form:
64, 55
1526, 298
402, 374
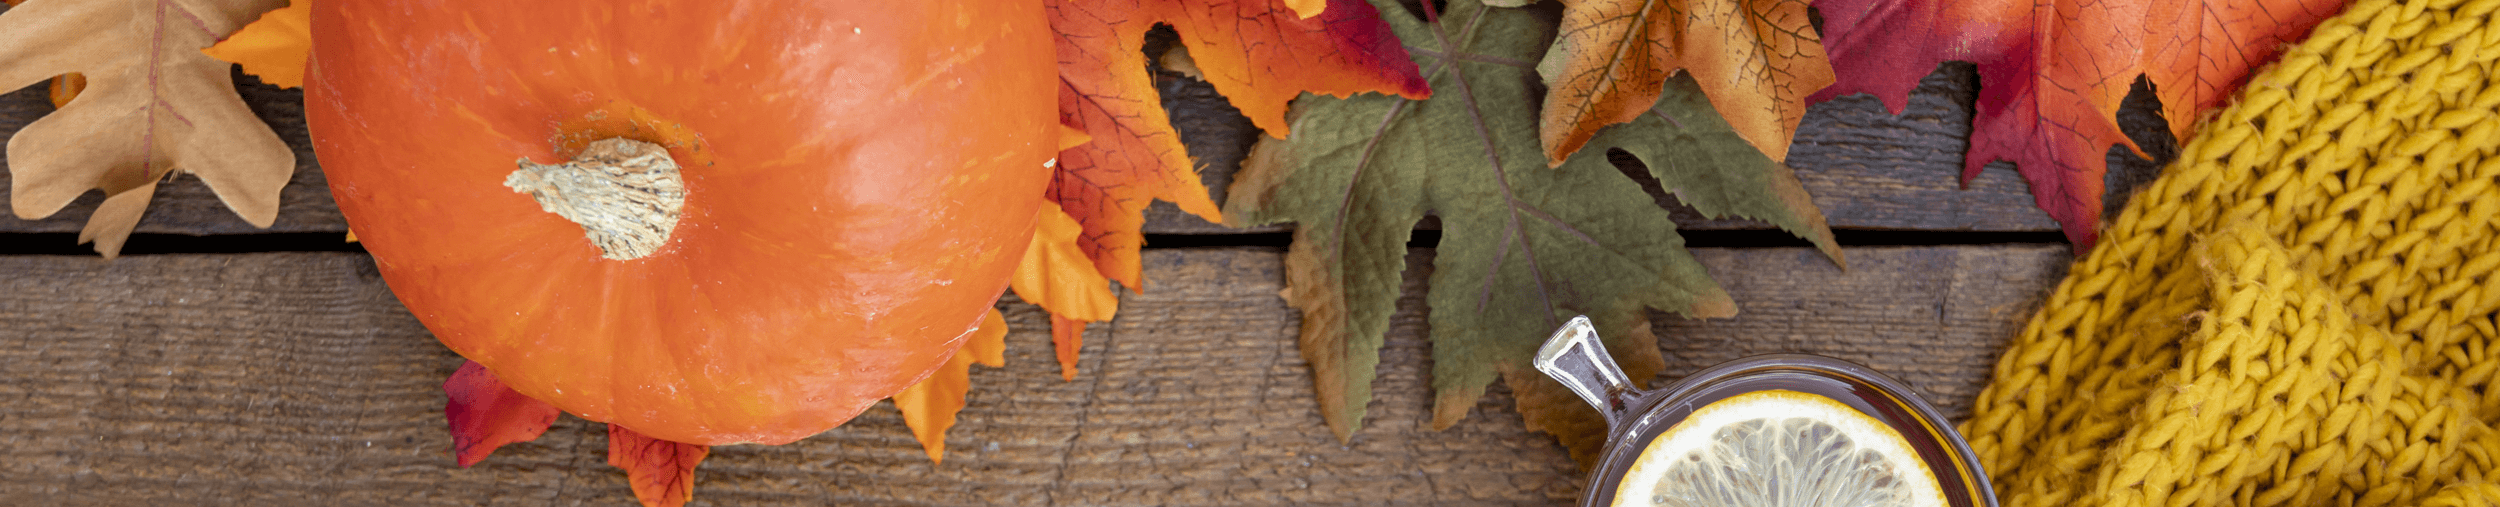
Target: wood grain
1867, 168
295, 378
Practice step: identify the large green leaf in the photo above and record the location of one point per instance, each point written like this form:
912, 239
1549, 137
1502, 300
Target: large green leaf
1523, 247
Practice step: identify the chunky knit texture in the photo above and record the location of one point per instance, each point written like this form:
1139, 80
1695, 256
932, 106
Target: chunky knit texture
2301, 310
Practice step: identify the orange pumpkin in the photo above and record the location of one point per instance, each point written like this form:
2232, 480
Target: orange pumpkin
858, 179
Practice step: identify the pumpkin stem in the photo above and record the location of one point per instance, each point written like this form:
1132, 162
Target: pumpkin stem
626, 194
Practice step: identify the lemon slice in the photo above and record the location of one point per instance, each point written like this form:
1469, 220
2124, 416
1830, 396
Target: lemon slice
1779, 449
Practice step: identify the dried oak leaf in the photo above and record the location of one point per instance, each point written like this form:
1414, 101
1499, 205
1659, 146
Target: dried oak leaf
661, 471
2052, 73
274, 47
484, 414
929, 407
1259, 53
1523, 246
153, 105
1757, 60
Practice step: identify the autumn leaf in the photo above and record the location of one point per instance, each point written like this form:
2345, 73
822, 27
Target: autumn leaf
64, 87
1259, 53
1523, 247
1756, 59
661, 471
1707, 163
153, 105
929, 407
274, 47
1056, 275
2052, 74
484, 414
2200, 52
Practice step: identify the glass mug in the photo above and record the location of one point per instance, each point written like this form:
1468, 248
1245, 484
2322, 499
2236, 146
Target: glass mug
1634, 417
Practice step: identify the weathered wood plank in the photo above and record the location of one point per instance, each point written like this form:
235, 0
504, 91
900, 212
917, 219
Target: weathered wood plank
296, 379
1867, 168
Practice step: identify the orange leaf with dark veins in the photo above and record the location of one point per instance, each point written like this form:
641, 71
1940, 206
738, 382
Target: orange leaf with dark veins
1259, 53
485, 415
2052, 74
662, 471
2198, 53
1756, 59
929, 407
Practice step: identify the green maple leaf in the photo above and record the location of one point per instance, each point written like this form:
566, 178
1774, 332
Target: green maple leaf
1523, 247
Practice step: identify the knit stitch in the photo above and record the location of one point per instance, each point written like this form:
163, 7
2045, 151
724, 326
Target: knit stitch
2301, 310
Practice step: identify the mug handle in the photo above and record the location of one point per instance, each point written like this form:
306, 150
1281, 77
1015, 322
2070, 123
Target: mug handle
1575, 357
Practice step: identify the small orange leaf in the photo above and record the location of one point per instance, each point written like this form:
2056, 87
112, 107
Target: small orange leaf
66, 87
1067, 335
485, 415
929, 407
1071, 137
1057, 276
273, 47
662, 471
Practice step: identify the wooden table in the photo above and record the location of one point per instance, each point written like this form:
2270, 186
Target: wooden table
224, 364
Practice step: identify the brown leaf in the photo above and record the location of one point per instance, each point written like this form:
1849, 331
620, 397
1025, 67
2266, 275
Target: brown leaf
662, 471
1756, 59
153, 105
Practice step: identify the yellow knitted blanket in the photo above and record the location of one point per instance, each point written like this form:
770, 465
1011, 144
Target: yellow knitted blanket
2301, 311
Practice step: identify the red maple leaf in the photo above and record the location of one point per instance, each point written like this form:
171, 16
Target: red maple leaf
2052, 74
484, 414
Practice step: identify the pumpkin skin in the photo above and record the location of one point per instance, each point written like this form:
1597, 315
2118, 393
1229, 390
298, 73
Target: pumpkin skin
861, 178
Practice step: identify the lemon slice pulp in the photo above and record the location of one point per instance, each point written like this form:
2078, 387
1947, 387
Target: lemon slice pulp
1779, 449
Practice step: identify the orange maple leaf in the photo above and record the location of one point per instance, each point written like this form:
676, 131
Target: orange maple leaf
273, 47
484, 414
1756, 59
1054, 275
661, 471
2052, 74
1259, 53
929, 407
1057, 276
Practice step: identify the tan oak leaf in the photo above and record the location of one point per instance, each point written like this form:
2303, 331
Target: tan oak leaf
153, 105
